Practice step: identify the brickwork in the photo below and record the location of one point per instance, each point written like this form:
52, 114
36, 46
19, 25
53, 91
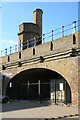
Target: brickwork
38, 19
60, 46
28, 31
60, 59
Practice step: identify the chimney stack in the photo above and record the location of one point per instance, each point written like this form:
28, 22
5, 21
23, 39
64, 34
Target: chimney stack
38, 19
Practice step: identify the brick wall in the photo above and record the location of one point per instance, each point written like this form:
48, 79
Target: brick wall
58, 59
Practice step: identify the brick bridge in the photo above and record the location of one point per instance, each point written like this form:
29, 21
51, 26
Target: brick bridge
48, 71
56, 60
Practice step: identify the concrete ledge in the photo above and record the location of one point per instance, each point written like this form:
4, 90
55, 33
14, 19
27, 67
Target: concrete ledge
61, 117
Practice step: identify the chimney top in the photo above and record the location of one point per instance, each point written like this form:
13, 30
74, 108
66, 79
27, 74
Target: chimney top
38, 10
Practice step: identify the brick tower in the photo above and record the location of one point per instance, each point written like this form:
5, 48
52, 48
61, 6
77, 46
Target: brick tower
28, 32
38, 19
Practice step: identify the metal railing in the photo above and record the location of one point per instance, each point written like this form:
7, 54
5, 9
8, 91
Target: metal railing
50, 36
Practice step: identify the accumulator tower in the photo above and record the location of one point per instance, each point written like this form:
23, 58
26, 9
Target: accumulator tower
30, 32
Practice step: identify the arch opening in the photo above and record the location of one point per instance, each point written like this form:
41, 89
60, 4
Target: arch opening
39, 84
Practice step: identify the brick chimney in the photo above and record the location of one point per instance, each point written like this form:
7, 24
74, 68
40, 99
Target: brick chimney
38, 19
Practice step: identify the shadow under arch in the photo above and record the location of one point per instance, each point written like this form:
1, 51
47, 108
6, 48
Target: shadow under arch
25, 85
4, 80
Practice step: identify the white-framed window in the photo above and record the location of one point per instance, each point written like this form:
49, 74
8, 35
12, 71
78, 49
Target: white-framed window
10, 84
61, 86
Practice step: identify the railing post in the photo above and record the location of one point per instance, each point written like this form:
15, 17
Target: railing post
15, 48
1, 53
43, 39
27, 43
6, 51
52, 35
10, 50
74, 26
34, 41
62, 31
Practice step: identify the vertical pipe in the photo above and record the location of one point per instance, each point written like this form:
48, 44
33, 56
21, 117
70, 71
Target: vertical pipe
62, 31
55, 90
74, 26
39, 89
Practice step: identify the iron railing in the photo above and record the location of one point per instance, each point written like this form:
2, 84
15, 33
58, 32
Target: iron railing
50, 36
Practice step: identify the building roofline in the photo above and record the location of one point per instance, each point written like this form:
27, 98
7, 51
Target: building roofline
28, 23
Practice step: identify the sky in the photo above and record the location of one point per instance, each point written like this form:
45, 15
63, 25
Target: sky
55, 14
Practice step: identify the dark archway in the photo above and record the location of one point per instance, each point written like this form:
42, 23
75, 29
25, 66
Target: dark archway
4, 79
39, 83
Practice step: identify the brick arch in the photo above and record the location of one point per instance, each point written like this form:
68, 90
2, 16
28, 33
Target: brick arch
17, 71
54, 69
47, 69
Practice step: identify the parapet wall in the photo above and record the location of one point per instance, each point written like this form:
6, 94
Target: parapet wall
53, 47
